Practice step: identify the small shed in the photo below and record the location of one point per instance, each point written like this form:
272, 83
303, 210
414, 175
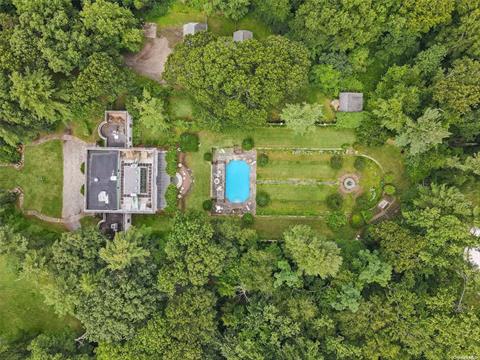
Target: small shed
193, 28
351, 102
242, 35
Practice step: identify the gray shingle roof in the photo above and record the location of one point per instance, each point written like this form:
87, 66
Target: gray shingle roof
193, 28
242, 35
351, 102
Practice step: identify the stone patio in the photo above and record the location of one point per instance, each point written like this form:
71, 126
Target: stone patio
221, 205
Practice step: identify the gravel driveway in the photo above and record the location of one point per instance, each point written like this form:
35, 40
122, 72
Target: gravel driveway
74, 154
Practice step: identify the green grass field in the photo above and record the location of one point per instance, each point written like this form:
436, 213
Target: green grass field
179, 14
309, 200
22, 311
41, 178
268, 137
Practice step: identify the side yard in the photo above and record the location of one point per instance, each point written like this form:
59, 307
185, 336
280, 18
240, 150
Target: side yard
41, 178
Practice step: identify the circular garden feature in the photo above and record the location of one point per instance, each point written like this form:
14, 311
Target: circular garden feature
349, 183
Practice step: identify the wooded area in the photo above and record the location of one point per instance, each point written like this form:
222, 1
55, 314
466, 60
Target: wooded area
313, 275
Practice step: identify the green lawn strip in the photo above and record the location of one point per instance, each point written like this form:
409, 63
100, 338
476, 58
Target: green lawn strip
22, 308
41, 178
159, 223
179, 14
287, 165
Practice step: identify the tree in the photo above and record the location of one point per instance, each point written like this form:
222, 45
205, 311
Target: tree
302, 118
123, 251
273, 12
312, 254
459, 89
151, 112
186, 330
57, 347
238, 83
100, 78
110, 27
110, 299
398, 245
192, 254
424, 134
36, 92
372, 269
327, 78
54, 27
338, 26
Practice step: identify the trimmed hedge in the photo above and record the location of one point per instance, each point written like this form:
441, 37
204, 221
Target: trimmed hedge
247, 219
207, 205
189, 142
357, 221
360, 163
248, 143
389, 189
208, 156
334, 201
262, 160
263, 198
336, 162
172, 160
171, 198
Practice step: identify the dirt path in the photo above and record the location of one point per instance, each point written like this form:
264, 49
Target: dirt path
150, 61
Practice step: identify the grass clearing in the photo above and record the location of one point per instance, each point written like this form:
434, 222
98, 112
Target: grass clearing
22, 310
41, 178
179, 14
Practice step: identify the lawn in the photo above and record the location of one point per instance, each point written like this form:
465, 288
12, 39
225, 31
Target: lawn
302, 199
267, 137
41, 178
22, 310
179, 14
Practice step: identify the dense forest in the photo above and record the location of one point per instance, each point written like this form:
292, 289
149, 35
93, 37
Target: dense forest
211, 287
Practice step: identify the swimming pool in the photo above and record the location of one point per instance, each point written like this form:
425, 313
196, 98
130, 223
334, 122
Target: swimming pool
237, 181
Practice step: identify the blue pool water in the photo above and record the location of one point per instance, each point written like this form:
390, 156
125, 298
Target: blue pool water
237, 181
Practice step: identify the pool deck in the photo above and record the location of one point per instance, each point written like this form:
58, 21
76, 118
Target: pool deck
221, 157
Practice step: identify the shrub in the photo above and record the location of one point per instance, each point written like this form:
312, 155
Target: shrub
262, 160
367, 215
82, 189
336, 220
263, 199
189, 142
248, 143
360, 163
363, 201
247, 219
82, 168
207, 205
208, 156
389, 178
172, 159
357, 221
336, 162
389, 189
335, 201
346, 120
171, 198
